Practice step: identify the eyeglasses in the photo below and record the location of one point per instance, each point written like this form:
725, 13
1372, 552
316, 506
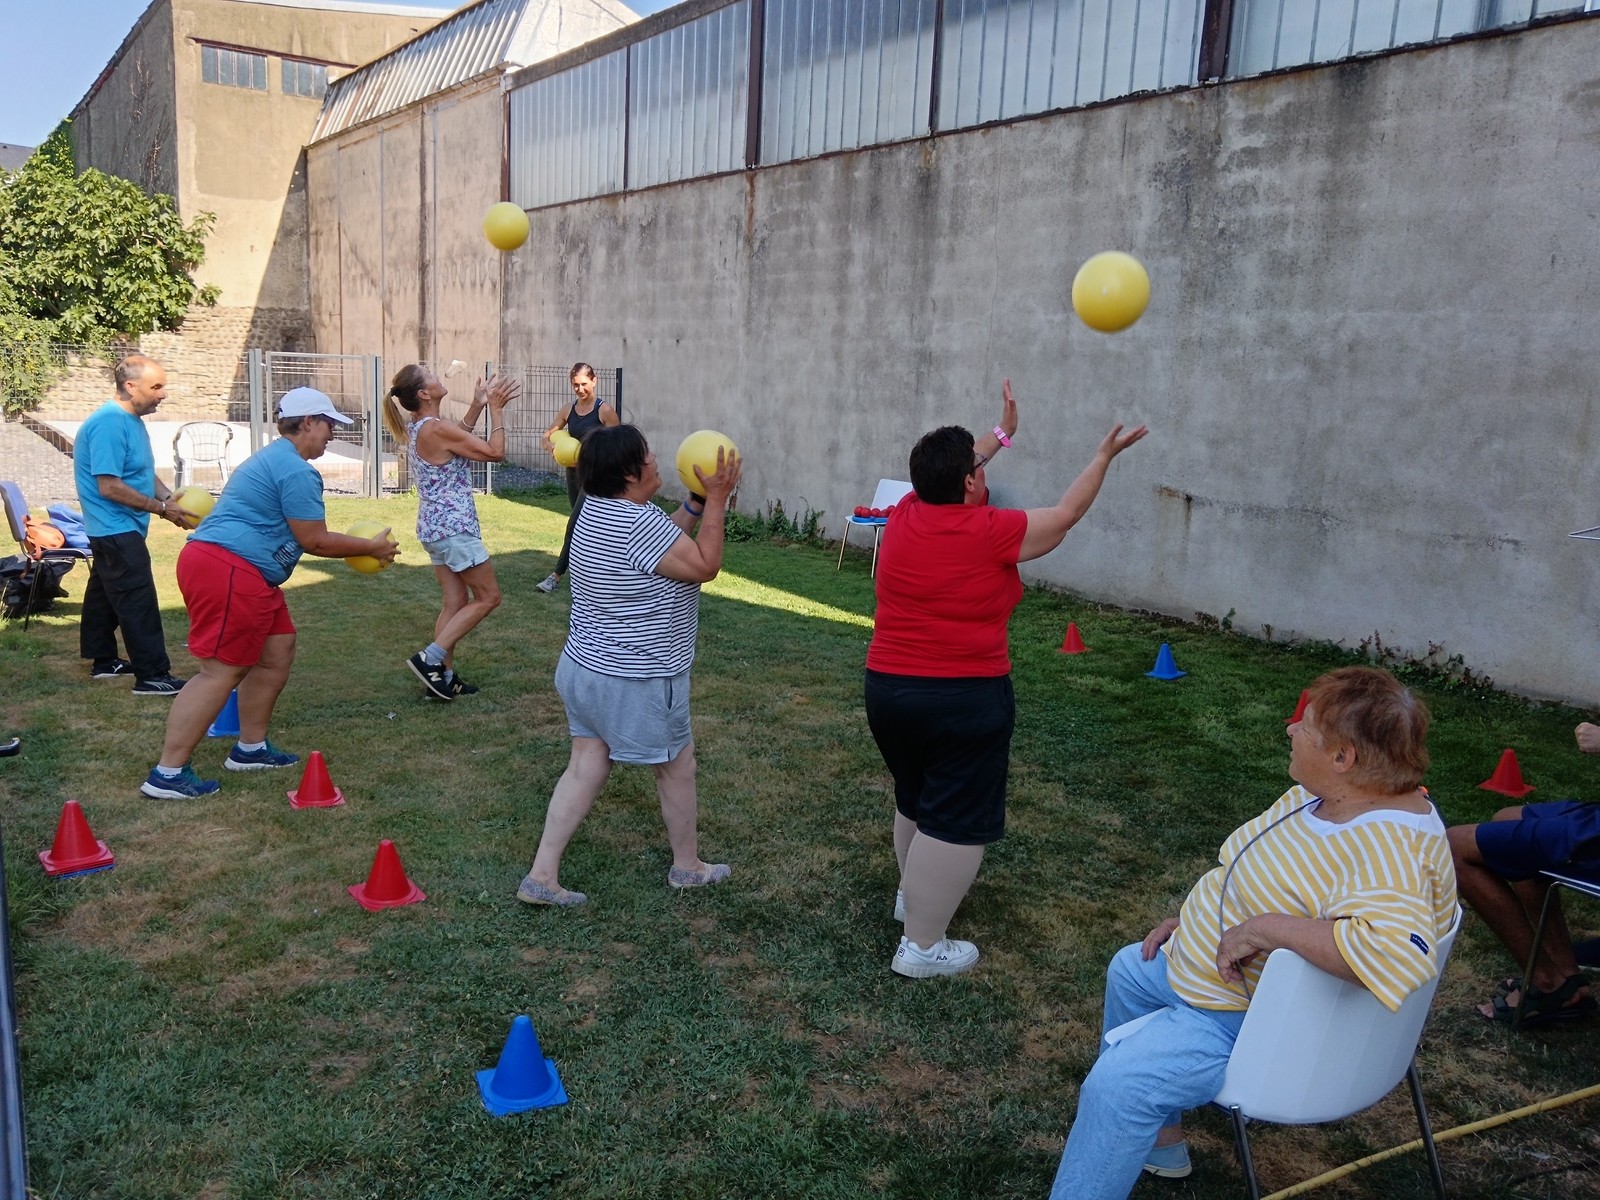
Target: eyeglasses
978, 464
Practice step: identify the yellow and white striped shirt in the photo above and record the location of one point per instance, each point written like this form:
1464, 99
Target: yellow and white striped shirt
1385, 878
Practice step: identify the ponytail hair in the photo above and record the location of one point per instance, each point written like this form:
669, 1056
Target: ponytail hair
403, 394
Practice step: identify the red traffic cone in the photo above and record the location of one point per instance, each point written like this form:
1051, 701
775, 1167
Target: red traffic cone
386, 885
1299, 709
316, 788
1507, 778
75, 850
1073, 642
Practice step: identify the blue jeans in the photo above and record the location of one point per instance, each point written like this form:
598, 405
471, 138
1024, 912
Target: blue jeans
1175, 1062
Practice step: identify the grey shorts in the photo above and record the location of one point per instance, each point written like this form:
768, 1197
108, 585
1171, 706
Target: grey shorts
459, 552
639, 720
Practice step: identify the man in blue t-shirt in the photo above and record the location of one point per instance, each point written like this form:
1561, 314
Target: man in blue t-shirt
115, 471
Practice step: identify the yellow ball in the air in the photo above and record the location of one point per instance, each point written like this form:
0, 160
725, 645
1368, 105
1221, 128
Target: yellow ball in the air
195, 501
505, 225
699, 449
1110, 291
565, 449
366, 564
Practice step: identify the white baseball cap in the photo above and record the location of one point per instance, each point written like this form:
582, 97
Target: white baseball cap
308, 402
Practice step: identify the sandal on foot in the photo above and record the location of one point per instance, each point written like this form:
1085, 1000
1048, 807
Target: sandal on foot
716, 873
1544, 1008
531, 891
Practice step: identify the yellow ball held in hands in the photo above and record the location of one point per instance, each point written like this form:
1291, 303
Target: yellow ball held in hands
699, 449
366, 564
505, 225
1110, 291
195, 501
565, 448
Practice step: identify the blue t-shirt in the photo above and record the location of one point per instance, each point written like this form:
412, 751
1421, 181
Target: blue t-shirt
271, 487
112, 442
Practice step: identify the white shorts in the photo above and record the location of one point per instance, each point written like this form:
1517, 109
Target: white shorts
459, 552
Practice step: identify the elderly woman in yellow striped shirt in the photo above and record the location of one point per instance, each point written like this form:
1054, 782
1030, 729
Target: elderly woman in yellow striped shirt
1350, 869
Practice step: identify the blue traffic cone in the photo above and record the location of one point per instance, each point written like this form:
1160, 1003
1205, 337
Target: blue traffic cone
1165, 668
523, 1078
227, 722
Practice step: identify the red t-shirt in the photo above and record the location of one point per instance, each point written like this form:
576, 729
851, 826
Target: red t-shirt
947, 582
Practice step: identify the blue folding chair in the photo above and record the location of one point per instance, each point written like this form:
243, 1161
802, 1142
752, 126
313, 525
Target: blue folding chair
16, 510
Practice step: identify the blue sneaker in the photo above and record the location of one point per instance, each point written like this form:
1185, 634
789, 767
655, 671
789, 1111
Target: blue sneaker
185, 785
1169, 1162
264, 759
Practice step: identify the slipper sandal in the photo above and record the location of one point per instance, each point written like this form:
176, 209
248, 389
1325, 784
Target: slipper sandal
1546, 1008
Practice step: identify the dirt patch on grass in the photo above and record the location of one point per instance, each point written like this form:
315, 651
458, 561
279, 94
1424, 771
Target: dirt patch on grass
897, 1085
336, 1072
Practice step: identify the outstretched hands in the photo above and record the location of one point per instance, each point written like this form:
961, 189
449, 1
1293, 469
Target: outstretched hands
1008, 410
497, 391
1115, 442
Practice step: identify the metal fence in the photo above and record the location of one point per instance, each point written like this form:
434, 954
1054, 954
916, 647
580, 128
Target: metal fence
361, 460
768, 81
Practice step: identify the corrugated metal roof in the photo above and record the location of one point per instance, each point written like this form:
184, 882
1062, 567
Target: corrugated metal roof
467, 44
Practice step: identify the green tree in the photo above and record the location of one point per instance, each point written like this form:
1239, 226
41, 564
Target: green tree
85, 258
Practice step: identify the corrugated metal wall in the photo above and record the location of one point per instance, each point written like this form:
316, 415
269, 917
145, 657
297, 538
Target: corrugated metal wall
567, 133
689, 99
838, 74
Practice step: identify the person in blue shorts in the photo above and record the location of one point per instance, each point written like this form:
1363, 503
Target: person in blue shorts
231, 573
1497, 868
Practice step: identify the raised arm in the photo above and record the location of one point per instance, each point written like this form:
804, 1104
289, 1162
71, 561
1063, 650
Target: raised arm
990, 444
439, 437
698, 559
1047, 526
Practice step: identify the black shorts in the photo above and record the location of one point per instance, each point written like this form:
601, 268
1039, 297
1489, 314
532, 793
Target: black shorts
947, 742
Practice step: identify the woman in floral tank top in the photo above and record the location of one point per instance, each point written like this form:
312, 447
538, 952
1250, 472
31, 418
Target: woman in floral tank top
441, 453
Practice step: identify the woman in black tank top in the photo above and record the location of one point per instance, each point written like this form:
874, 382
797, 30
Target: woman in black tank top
586, 413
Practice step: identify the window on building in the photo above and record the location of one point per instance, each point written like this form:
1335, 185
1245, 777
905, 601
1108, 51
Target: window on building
304, 79
233, 68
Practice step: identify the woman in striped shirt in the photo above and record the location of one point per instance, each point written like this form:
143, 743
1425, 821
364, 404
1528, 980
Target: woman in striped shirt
1350, 869
624, 673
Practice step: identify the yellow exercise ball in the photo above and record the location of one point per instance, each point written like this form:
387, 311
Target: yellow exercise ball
366, 564
565, 449
1110, 291
195, 501
505, 225
699, 449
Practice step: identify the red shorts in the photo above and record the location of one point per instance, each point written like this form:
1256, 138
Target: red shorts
232, 610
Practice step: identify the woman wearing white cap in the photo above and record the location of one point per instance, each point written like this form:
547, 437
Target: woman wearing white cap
231, 573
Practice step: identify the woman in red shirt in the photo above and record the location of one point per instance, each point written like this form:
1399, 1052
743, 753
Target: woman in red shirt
938, 688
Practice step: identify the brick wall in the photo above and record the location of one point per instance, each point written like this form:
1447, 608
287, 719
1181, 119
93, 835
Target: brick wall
204, 361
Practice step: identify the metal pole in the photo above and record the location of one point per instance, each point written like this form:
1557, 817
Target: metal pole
258, 400
372, 443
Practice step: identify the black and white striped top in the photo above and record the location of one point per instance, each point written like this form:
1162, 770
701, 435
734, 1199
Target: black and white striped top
627, 620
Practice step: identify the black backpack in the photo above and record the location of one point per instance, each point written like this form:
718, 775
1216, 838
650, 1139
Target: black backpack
16, 575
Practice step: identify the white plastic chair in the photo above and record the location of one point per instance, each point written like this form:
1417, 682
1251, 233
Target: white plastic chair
889, 491
200, 443
1314, 1048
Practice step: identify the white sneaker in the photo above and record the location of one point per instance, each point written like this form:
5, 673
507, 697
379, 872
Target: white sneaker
550, 582
946, 957
900, 907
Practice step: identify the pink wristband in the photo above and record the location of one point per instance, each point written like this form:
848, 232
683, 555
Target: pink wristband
1001, 434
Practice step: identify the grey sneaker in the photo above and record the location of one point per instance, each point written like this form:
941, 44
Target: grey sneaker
946, 957
432, 677
159, 685
715, 873
550, 582
531, 891
117, 668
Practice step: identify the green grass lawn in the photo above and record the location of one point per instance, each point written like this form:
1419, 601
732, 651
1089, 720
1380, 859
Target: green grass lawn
216, 1017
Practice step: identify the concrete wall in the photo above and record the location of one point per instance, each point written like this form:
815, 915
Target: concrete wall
1368, 366
127, 125
399, 264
